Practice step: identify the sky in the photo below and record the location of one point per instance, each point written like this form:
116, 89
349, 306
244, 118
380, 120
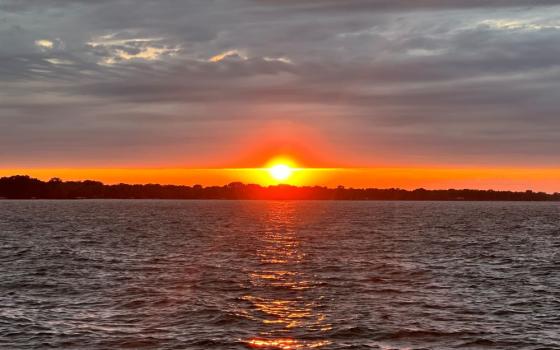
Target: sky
368, 84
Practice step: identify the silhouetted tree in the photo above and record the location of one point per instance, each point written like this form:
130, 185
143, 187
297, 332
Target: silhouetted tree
24, 187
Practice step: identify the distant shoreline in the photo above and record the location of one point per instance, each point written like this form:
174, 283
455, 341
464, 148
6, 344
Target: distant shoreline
25, 187
277, 199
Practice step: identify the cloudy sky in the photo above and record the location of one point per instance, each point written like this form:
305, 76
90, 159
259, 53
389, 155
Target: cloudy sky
227, 82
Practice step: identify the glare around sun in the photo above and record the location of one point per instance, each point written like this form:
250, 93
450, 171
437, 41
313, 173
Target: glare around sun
280, 172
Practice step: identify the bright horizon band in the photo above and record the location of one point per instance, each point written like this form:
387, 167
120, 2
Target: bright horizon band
515, 179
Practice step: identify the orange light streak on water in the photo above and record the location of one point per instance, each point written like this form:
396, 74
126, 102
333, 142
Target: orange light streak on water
285, 344
279, 251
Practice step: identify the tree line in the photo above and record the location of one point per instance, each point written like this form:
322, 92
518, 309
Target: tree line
25, 187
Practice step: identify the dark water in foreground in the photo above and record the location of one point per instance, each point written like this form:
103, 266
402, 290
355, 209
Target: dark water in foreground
279, 275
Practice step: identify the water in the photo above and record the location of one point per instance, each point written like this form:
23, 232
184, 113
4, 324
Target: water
279, 275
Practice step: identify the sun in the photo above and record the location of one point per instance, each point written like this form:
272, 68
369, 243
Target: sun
280, 171
281, 168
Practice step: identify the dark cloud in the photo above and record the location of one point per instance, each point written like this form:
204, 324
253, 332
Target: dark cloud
403, 5
424, 81
332, 5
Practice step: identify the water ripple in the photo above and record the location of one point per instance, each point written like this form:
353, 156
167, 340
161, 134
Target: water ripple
279, 275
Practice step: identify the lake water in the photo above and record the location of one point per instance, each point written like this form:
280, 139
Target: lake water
279, 275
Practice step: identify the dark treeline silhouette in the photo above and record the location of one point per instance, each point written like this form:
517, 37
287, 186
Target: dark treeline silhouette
24, 187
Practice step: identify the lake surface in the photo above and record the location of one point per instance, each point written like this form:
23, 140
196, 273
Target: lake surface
279, 275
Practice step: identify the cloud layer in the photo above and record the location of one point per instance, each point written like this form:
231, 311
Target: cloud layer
181, 83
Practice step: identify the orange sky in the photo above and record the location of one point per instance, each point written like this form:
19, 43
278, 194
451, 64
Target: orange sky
316, 157
317, 163
518, 179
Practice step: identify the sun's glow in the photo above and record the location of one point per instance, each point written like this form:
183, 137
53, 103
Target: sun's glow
281, 169
280, 172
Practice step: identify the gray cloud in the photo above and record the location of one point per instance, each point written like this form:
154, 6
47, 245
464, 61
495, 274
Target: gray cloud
464, 82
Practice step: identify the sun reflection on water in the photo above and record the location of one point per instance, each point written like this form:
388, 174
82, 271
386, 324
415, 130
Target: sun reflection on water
284, 299
285, 344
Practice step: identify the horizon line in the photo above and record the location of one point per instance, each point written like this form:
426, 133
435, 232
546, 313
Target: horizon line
509, 179
285, 185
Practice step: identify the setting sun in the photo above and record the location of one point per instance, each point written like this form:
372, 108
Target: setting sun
281, 168
280, 172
